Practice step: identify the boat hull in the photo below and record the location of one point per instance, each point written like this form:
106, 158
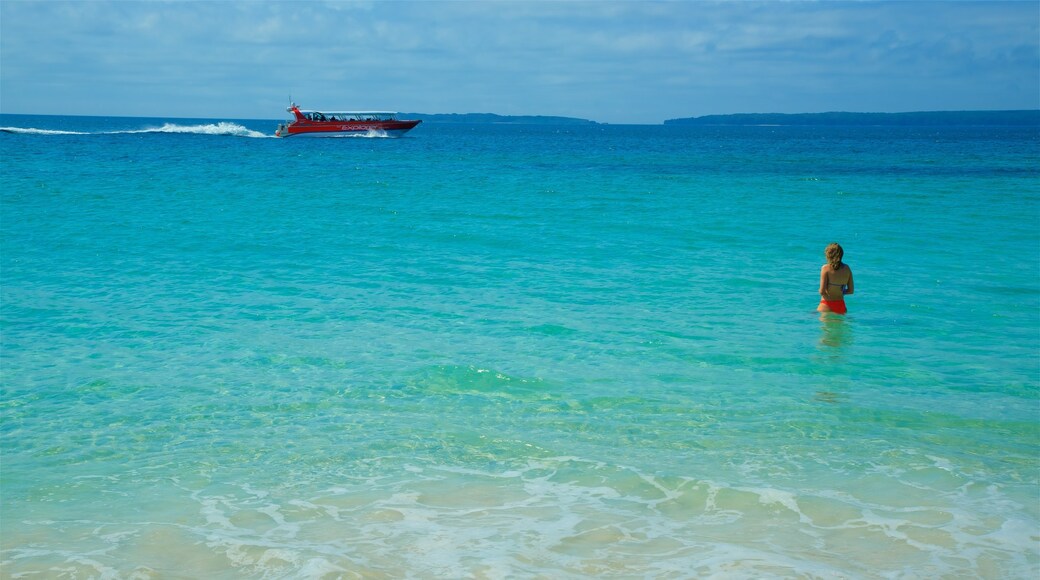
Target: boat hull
346, 129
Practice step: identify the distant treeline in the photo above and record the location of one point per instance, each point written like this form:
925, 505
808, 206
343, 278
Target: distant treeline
925, 118
484, 118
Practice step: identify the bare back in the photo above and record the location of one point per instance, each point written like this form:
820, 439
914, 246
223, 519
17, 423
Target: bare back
835, 283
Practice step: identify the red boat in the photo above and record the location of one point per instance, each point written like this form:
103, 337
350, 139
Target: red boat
344, 124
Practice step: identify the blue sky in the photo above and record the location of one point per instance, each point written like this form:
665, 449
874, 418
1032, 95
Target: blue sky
616, 62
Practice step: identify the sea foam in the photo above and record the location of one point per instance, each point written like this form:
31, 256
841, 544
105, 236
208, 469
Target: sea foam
221, 128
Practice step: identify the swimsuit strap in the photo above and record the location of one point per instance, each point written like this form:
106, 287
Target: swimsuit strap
841, 265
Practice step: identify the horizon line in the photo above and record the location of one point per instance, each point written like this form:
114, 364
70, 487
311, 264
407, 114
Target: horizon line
506, 116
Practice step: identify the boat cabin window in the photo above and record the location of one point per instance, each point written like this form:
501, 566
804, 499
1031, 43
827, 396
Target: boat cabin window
349, 116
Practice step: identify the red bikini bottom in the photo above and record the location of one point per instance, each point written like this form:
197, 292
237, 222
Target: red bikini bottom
835, 306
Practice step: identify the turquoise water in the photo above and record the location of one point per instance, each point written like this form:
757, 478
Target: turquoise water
517, 351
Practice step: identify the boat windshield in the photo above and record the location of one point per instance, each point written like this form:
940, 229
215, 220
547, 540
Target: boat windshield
349, 116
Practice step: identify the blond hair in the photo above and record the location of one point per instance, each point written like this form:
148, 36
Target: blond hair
834, 254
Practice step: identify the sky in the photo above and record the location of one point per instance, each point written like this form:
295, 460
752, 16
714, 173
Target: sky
637, 62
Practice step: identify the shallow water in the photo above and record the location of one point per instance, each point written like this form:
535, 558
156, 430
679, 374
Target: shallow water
500, 351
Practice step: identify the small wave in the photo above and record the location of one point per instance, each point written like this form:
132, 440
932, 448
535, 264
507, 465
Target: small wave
31, 131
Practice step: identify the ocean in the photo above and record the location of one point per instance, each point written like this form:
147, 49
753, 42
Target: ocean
517, 351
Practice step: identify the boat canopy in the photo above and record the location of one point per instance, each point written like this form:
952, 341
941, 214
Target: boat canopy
349, 115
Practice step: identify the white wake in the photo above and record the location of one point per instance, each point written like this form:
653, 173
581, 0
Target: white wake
223, 128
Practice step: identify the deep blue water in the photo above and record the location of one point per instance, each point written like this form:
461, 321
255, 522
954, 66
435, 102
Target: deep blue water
502, 351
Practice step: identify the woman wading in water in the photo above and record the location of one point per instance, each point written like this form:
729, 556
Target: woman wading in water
835, 281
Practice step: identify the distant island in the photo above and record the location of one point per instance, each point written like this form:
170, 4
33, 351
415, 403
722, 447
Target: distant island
491, 118
1025, 118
